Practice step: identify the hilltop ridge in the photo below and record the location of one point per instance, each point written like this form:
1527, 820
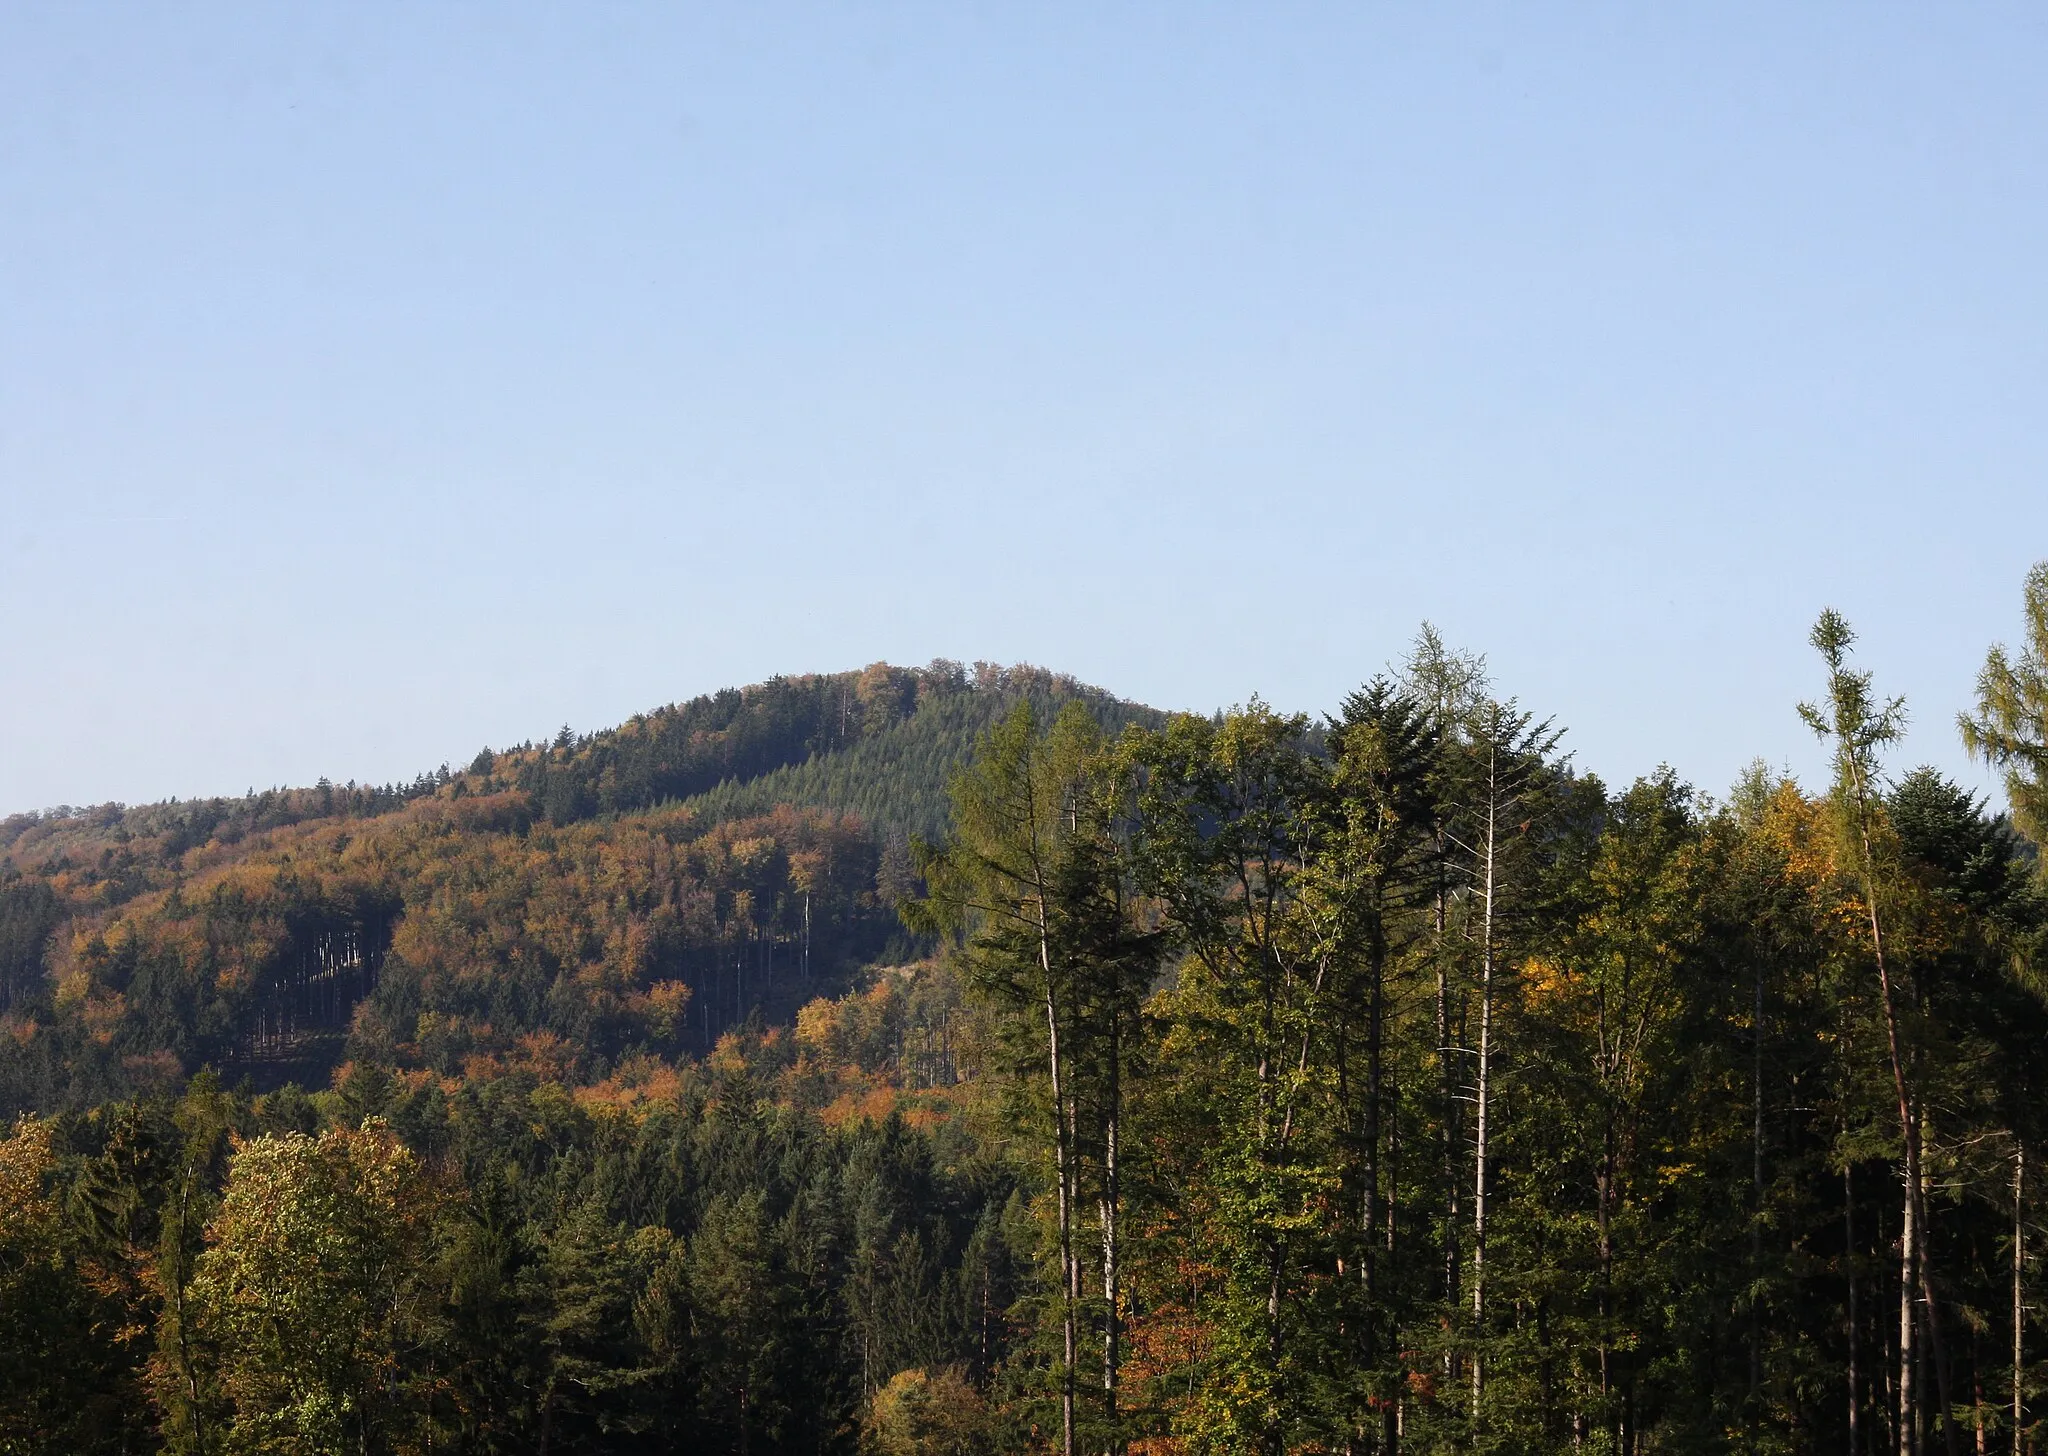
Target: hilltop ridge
638, 888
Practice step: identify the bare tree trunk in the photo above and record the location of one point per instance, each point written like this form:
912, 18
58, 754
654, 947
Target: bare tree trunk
1483, 1109
1909, 1413
1064, 1152
1392, 1415
1912, 1260
1447, 1172
1977, 1394
1930, 1310
1112, 1327
1063, 1171
1855, 1328
1369, 1222
2019, 1313
1756, 1192
1602, 1208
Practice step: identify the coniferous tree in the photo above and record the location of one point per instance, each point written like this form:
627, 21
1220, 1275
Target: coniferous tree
1030, 879
2010, 727
1857, 726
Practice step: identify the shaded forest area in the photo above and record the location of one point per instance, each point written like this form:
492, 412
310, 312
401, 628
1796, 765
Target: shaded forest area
1377, 1083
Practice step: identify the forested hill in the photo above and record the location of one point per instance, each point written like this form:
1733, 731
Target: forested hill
893, 773
881, 744
1236, 1086
882, 741
732, 854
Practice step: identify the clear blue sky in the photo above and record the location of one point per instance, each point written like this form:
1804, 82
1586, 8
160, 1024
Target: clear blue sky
381, 381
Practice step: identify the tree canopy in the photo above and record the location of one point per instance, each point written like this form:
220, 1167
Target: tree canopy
1256, 1082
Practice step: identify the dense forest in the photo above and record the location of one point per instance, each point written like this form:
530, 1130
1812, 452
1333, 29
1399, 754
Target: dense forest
581, 901
924, 1063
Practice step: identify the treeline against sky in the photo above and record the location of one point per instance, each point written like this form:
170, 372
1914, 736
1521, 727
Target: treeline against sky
1377, 1083
567, 894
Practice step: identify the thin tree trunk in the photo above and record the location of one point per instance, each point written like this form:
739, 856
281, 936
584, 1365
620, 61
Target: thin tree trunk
1909, 1411
1369, 1216
1756, 1191
1391, 1416
1111, 1319
1481, 1129
1601, 1204
1063, 1175
1855, 1328
1913, 1264
1369, 1252
1063, 1152
2019, 1244
1447, 1099
1931, 1312
1888, 1364
1066, 1144
1977, 1394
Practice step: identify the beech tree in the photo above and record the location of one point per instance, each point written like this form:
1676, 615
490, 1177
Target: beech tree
312, 1293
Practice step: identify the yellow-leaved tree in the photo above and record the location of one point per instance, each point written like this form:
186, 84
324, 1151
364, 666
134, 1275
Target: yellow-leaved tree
921, 1414
312, 1292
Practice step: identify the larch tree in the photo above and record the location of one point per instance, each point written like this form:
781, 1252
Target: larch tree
2009, 730
1857, 725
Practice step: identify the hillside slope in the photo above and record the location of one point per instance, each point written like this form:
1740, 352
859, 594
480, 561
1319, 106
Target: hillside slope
565, 906
894, 776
